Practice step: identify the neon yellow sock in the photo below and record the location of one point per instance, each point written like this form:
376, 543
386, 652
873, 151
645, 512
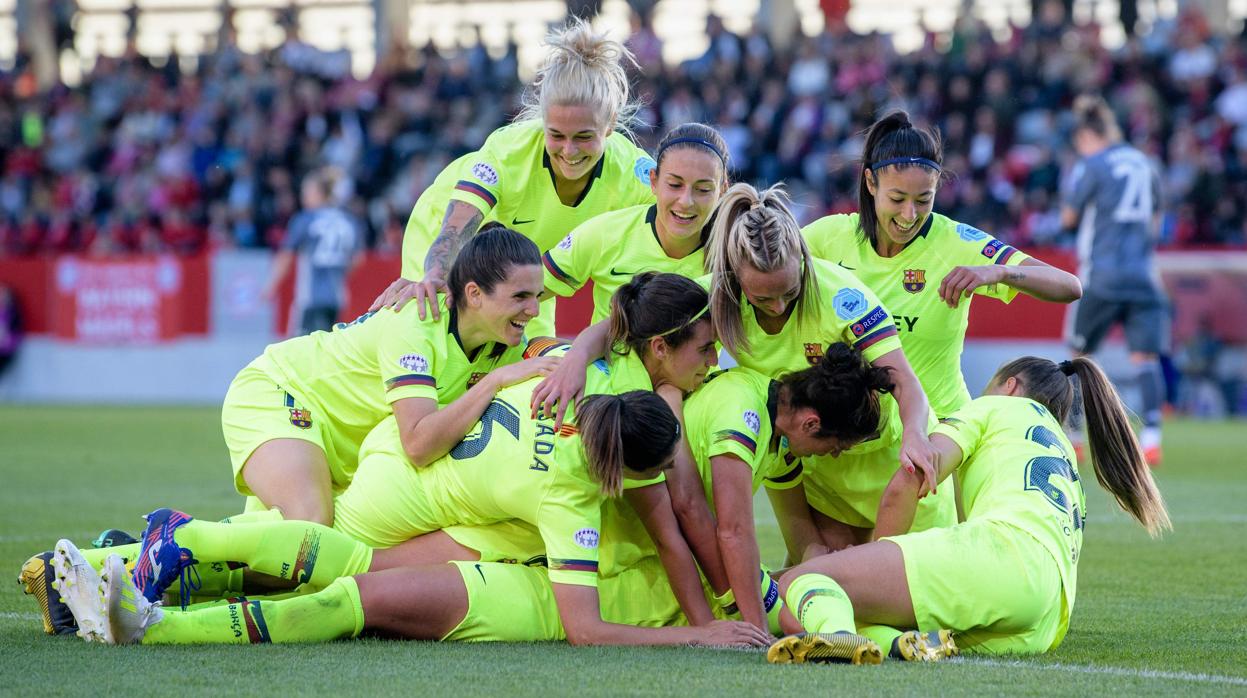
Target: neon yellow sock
332, 613
883, 635
820, 604
306, 552
258, 516
204, 602
96, 556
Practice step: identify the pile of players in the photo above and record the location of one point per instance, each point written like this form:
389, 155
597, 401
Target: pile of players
442, 469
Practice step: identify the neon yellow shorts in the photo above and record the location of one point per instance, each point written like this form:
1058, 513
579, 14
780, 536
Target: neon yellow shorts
993, 584
507, 603
385, 503
257, 410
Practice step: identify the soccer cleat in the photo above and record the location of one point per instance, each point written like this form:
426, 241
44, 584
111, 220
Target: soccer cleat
838, 648
112, 538
79, 586
129, 613
917, 646
161, 560
36, 579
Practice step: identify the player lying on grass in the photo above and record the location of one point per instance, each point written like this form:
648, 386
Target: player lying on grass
563, 160
1004, 580
509, 602
294, 418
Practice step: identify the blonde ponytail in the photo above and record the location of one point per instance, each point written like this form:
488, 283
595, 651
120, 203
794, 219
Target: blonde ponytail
758, 229
583, 67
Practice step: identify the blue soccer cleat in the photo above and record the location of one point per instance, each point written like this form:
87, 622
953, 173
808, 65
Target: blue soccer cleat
161, 559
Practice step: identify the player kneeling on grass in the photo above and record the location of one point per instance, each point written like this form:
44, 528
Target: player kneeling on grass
463, 601
1004, 579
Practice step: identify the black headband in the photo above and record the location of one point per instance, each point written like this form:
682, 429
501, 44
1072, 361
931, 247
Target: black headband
690, 139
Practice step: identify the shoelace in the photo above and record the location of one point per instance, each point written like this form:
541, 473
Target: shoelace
185, 585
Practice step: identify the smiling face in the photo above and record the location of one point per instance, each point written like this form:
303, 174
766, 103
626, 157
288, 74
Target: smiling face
685, 366
575, 140
687, 184
772, 293
502, 314
903, 200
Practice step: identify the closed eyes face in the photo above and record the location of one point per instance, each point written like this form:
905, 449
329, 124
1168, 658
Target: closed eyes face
772, 293
903, 198
686, 366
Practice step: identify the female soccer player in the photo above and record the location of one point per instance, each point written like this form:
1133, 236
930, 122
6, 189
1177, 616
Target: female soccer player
776, 308
660, 334
295, 417
1004, 580
516, 467
745, 429
923, 265
669, 235
564, 160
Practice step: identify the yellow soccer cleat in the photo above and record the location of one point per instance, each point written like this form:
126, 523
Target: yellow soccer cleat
36, 579
829, 648
933, 646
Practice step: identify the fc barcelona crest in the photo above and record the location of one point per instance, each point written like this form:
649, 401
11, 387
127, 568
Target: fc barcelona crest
301, 418
813, 352
915, 280
476, 378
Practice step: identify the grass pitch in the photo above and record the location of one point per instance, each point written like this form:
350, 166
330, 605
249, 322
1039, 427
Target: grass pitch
1153, 617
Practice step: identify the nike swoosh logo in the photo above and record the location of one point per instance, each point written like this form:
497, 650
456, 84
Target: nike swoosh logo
151, 557
614, 272
481, 572
516, 221
844, 266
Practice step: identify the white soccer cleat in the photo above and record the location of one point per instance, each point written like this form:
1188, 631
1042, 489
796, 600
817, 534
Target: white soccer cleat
80, 588
129, 613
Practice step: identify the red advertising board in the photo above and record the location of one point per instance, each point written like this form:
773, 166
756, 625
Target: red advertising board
135, 300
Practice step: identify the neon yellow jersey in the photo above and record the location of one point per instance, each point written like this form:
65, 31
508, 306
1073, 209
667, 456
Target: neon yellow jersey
847, 312
610, 249
1018, 468
510, 467
353, 373
509, 180
734, 414
909, 286
848, 487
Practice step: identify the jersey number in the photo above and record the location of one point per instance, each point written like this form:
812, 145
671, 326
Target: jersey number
1040, 470
1135, 205
498, 413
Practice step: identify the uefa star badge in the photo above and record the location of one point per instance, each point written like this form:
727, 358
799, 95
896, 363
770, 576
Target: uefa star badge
914, 280
485, 172
587, 538
414, 362
753, 421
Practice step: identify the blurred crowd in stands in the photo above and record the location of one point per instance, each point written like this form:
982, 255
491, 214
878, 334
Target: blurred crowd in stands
146, 156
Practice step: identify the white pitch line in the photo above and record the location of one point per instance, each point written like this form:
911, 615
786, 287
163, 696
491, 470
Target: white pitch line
1111, 671
13, 615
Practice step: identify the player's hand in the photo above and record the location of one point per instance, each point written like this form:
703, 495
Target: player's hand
917, 454
565, 386
962, 281
732, 633
521, 371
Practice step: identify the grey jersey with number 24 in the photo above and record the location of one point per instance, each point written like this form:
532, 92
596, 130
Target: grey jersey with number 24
1116, 193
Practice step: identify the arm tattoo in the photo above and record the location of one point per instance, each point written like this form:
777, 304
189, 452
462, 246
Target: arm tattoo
1015, 275
446, 246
